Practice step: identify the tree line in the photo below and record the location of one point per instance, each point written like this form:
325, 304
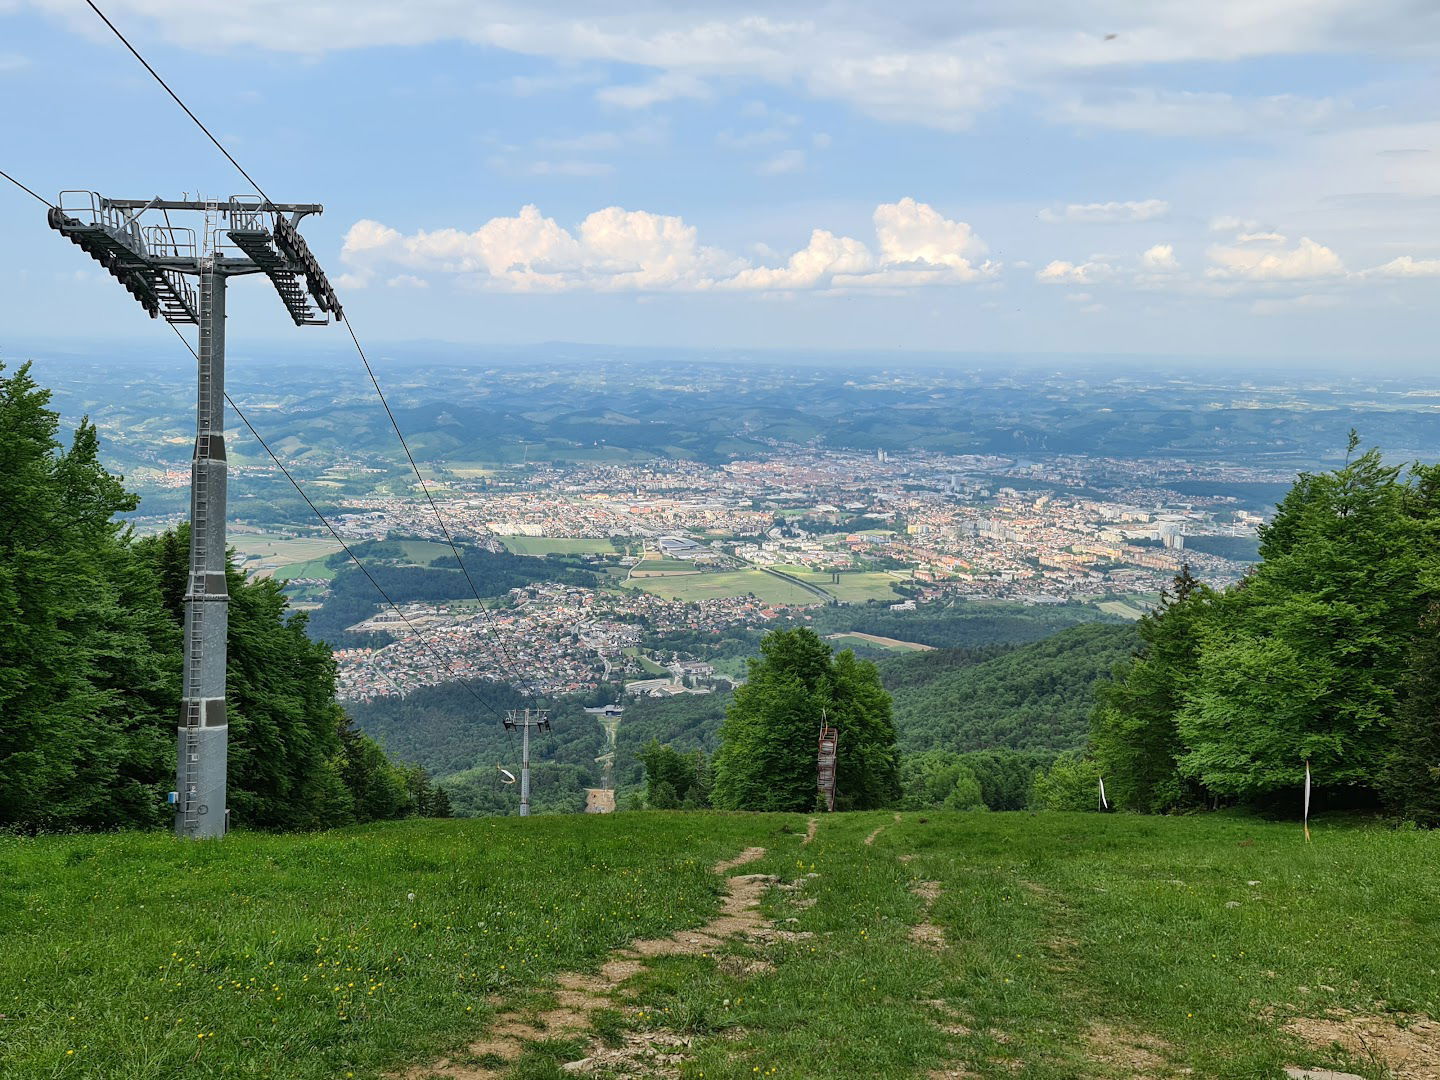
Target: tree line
91, 621
1327, 654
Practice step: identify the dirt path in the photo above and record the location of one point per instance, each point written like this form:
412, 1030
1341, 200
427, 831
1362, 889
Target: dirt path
579, 996
925, 932
810, 827
870, 840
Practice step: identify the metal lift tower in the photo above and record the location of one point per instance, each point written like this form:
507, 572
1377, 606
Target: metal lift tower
154, 262
525, 719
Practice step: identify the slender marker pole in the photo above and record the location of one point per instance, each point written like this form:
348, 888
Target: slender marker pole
1307, 801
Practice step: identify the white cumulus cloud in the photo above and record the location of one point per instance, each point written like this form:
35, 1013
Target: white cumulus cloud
1407, 266
812, 265
618, 249
1061, 272
1107, 212
1264, 257
1160, 258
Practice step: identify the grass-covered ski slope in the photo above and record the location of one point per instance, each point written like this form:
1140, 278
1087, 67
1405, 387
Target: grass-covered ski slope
992, 945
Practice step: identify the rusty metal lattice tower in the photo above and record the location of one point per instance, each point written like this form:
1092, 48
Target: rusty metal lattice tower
154, 262
825, 763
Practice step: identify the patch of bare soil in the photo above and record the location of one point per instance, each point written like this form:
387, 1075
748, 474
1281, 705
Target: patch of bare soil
1410, 1049
925, 932
1132, 1054
649, 1053
580, 995
810, 827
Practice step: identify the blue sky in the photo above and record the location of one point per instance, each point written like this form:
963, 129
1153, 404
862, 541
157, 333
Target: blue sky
1236, 178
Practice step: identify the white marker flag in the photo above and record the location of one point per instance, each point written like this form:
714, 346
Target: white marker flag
1307, 802
1104, 802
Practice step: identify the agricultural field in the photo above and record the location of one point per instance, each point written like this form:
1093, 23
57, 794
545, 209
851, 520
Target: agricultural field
766, 587
853, 587
874, 641
269, 555
1119, 607
421, 552
556, 545
1049, 946
657, 565
310, 568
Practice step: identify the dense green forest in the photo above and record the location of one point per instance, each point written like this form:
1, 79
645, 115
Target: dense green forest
90, 648
1323, 656
994, 700
960, 624
457, 734
1035, 697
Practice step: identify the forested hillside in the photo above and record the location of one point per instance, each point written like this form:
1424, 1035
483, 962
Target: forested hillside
959, 624
1034, 697
457, 734
90, 648
1323, 658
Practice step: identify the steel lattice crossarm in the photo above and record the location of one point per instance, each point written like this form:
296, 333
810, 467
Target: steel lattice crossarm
151, 260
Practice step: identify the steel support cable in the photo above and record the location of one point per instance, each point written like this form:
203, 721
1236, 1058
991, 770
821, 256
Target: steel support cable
146, 64
419, 634
25, 189
353, 337
435, 509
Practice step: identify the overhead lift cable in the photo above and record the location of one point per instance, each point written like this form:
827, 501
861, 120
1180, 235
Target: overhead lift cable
419, 634
346, 547
485, 612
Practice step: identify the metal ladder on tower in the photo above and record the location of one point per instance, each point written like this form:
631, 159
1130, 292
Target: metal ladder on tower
199, 542
189, 810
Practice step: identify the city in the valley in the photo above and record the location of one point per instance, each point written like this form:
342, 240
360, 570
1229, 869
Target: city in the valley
687, 546
637, 524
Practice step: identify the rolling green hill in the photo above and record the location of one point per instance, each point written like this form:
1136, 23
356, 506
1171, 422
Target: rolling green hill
1034, 697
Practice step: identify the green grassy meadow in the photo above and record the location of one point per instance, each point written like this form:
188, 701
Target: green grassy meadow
1058, 945
766, 587
853, 587
1119, 607
282, 556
